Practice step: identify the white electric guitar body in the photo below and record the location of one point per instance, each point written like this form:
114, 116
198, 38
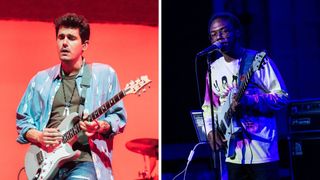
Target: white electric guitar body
44, 163
227, 127
41, 163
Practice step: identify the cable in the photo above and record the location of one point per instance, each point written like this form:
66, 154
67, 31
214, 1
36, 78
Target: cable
189, 160
20, 172
197, 79
196, 69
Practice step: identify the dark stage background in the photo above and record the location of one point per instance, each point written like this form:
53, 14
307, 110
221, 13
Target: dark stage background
288, 30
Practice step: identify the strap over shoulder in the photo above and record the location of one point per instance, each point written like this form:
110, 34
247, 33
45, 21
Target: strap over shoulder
246, 61
85, 84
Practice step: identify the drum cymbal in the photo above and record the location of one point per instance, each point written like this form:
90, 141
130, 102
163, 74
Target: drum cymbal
144, 146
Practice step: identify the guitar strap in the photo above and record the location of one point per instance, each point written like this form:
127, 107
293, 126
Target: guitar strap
85, 84
245, 65
246, 62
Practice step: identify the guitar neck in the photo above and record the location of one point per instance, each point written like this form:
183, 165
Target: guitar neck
241, 91
244, 84
94, 115
104, 108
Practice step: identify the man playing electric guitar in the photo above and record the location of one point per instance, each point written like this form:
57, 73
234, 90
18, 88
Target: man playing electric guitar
244, 106
55, 95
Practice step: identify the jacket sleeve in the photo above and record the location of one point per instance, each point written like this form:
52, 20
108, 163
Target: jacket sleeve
266, 92
206, 107
27, 112
116, 115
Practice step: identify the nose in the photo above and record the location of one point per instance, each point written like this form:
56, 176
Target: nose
65, 42
219, 35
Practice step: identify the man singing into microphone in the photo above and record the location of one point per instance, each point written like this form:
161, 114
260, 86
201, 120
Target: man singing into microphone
254, 155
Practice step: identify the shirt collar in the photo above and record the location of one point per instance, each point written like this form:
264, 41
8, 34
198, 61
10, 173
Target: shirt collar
57, 74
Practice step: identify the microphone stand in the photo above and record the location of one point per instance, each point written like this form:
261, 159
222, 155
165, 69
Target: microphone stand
216, 154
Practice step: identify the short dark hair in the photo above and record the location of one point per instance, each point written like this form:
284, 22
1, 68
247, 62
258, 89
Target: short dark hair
225, 16
73, 20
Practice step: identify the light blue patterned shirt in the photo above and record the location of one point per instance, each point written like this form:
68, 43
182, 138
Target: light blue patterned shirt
35, 106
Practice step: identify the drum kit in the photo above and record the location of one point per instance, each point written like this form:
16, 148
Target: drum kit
148, 148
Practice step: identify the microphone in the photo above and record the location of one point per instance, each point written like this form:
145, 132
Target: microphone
216, 45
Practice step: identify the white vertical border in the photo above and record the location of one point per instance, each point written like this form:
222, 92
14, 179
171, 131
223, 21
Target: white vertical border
159, 100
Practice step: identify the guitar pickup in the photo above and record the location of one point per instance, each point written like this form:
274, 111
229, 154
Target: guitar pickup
39, 157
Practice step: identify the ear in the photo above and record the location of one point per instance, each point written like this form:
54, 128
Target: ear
85, 45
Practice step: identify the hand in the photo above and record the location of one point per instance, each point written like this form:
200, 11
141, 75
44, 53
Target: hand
232, 89
234, 104
48, 138
89, 128
219, 141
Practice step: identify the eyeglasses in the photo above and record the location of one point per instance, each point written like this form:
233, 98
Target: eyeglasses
225, 32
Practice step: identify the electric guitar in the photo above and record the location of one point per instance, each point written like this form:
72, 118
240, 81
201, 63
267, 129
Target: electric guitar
43, 163
227, 127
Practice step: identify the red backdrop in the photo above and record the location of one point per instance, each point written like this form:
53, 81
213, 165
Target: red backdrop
132, 50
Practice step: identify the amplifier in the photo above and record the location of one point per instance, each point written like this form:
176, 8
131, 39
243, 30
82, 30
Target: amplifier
304, 115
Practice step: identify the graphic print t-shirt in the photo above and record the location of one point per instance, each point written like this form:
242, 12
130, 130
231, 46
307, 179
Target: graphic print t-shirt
224, 75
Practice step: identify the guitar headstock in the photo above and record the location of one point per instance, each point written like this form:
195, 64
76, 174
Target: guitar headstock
136, 86
258, 60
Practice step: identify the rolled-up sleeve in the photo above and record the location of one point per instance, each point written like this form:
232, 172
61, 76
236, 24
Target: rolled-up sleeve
116, 116
25, 113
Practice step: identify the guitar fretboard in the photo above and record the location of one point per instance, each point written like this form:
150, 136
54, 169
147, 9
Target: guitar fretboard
239, 95
244, 84
94, 115
104, 108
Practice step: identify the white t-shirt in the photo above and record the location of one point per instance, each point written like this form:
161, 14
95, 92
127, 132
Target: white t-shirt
224, 76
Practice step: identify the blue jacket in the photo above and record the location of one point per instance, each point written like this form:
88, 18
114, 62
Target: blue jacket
35, 106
